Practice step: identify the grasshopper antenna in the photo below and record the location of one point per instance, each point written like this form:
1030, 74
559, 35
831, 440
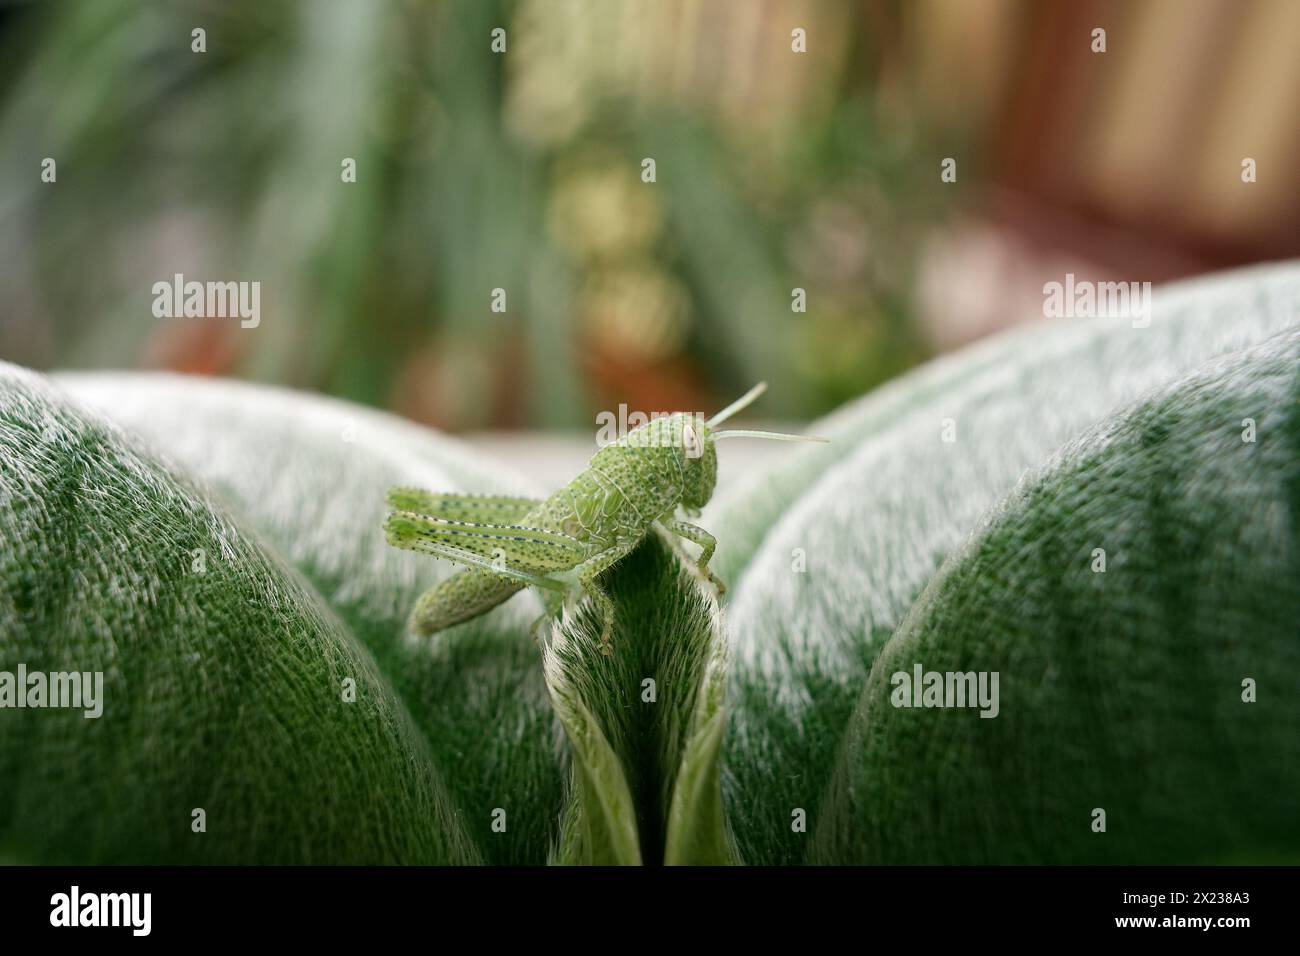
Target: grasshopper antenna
739, 404
775, 436
742, 403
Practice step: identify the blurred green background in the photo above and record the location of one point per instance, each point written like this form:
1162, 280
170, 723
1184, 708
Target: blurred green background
521, 170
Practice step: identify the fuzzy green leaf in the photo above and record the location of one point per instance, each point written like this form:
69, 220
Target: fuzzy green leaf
1120, 689
874, 514
645, 720
223, 676
308, 477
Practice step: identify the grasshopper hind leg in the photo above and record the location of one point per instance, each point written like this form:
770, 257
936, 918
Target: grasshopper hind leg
459, 598
466, 595
502, 560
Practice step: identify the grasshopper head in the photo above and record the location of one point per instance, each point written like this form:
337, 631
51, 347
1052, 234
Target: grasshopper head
699, 462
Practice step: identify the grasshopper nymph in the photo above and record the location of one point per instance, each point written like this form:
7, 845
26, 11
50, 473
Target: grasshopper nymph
586, 527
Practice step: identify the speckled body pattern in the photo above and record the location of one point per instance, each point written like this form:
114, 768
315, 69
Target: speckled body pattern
628, 488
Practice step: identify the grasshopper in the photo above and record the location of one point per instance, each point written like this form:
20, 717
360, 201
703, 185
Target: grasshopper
630, 487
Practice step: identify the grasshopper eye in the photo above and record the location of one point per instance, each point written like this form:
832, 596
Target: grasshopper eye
691, 441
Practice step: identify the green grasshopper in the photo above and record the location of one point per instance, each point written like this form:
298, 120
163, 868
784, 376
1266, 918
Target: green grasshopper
583, 529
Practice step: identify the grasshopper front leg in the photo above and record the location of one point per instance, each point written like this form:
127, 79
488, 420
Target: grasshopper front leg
707, 542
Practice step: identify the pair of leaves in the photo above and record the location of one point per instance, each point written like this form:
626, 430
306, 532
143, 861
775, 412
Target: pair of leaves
646, 722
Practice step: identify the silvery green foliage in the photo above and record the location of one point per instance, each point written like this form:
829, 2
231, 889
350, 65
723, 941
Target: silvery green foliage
1122, 689
223, 675
309, 474
646, 721
1122, 680
803, 643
